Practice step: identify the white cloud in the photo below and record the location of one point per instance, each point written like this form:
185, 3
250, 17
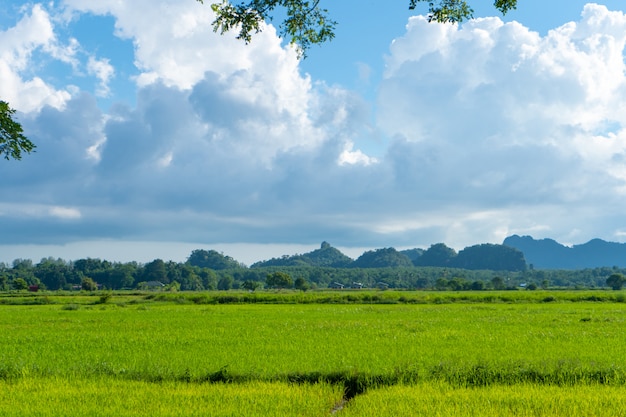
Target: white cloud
175, 43
31, 32
491, 117
349, 156
260, 83
17, 45
493, 129
572, 76
65, 212
104, 71
39, 211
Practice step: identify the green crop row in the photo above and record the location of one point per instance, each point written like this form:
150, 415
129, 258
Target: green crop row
311, 297
51, 397
524, 400
357, 349
163, 341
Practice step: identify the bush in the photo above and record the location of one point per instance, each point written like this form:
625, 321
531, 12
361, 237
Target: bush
88, 284
105, 298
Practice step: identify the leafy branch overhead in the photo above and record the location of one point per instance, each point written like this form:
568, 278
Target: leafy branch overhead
12, 141
307, 23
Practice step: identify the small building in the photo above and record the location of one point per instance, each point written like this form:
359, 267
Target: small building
336, 285
154, 285
357, 285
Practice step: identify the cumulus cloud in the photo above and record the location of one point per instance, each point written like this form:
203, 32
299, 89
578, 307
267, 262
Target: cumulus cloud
493, 115
175, 44
104, 71
491, 128
17, 46
350, 156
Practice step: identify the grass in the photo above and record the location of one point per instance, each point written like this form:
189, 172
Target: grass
519, 342
313, 297
48, 397
487, 353
520, 400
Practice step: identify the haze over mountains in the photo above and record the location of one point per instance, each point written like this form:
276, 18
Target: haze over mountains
514, 254
485, 256
550, 254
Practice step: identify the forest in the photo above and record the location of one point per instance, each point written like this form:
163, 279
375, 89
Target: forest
479, 267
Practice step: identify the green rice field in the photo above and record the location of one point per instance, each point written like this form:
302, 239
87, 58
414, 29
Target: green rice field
135, 355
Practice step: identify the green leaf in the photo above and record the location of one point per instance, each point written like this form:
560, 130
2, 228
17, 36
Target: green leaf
12, 140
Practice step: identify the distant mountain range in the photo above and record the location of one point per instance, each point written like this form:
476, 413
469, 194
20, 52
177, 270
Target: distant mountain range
550, 254
522, 251
516, 253
485, 256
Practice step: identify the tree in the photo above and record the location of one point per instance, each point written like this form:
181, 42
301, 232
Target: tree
441, 284
477, 286
225, 283
211, 259
497, 283
54, 273
278, 280
300, 284
88, 284
155, 271
121, 276
12, 141
616, 281
307, 23
250, 285
209, 278
20, 284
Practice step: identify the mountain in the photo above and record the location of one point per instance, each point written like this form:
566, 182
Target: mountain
549, 254
383, 258
325, 256
483, 256
437, 255
212, 259
413, 254
490, 256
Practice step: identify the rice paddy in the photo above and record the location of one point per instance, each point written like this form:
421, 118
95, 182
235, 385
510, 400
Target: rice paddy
456, 359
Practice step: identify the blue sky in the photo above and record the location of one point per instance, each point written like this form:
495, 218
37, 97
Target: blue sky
156, 136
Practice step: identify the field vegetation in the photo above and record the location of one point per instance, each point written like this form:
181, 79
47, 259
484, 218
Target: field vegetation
156, 352
123, 298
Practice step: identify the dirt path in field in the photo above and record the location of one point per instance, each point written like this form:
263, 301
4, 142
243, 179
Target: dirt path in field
339, 406
351, 390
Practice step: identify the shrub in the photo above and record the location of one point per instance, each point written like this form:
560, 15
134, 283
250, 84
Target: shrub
105, 298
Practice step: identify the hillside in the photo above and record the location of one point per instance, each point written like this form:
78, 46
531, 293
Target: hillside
549, 254
325, 256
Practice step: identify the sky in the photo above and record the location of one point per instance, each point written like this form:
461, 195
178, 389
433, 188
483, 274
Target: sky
156, 136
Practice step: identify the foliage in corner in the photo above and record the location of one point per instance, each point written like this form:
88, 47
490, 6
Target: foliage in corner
456, 11
12, 140
308, 24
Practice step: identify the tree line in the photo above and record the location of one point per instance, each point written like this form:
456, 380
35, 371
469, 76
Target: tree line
211, 270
